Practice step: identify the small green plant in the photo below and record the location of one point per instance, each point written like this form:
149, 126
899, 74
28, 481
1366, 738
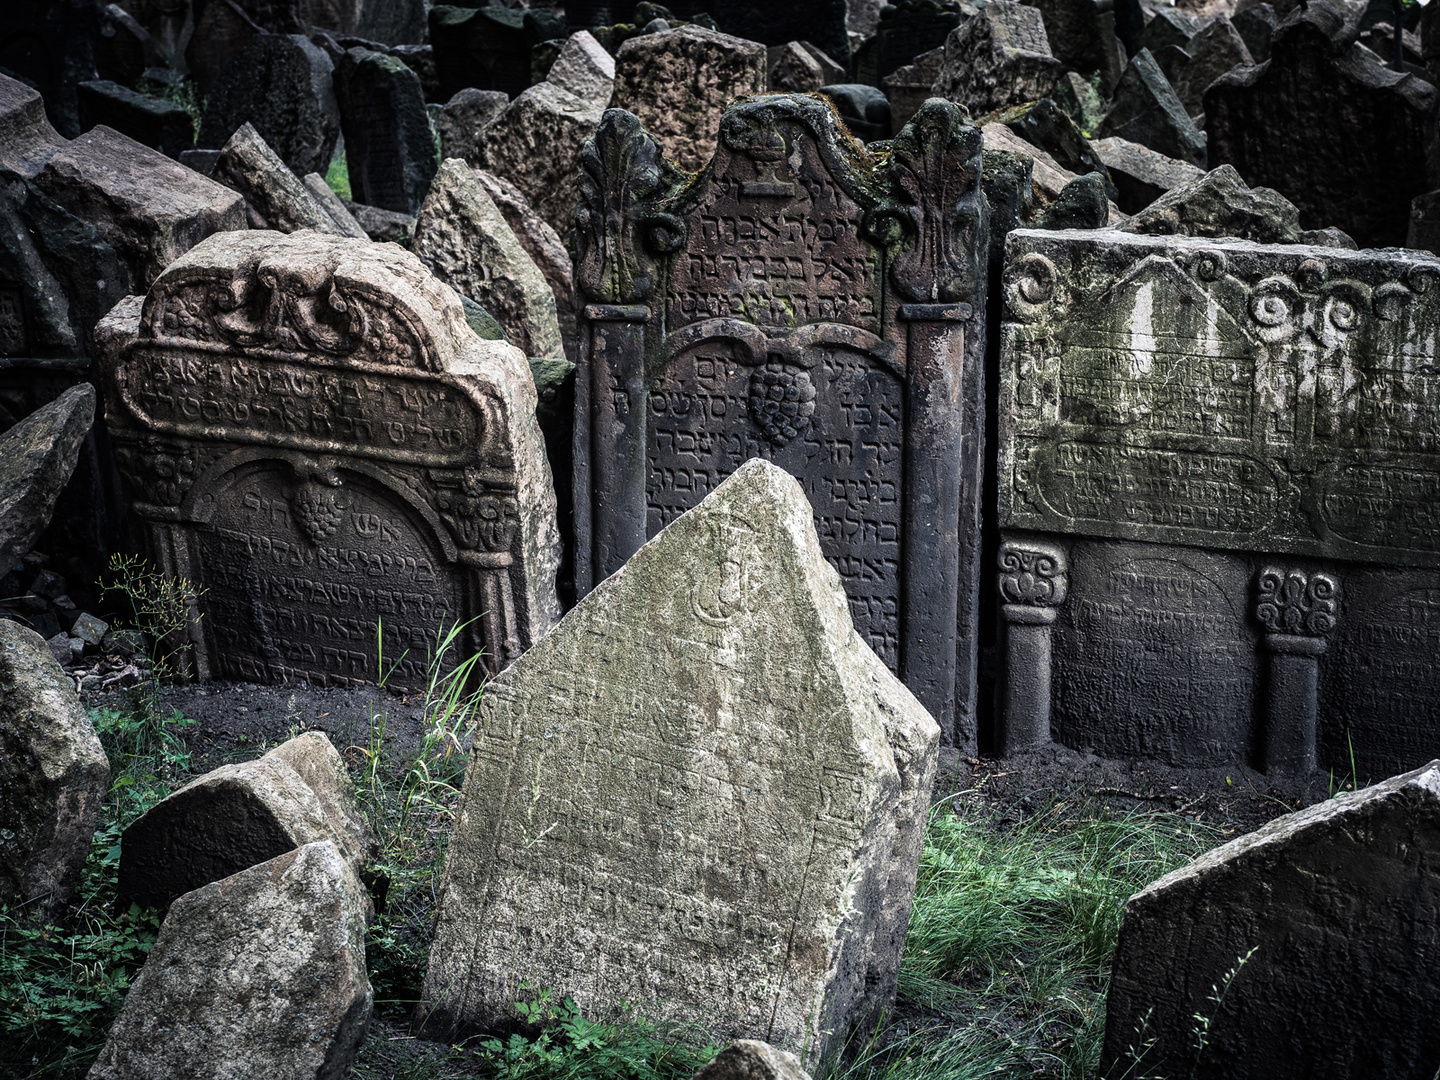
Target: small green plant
163, 608
185, 94
337, 176
1216, 998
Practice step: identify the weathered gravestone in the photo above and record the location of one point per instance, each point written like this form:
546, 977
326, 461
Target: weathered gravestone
802, 302
997, 58
309, 429
702, 794
905, 30
1228, 456
389, 144
1306, 950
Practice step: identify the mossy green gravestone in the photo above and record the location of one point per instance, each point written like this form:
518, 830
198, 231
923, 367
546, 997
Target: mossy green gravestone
1220, 500
702, 794
802, 301
308, 429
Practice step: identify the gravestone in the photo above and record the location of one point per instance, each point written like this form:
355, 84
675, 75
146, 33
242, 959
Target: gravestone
389, 145
150, 120
1082, 36
802, 302
906, 30
702, 795
275, 198
1306, 949
464, 117
819, 21
584, 69
997, 58
283, 85
1213, 51
1147, 111
307, 428
1277, 122
27, 140
484, 47
679, 81
908, 87
1141, 175
1218, 469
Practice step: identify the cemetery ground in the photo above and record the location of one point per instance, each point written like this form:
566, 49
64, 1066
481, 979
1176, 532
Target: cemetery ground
1027, 866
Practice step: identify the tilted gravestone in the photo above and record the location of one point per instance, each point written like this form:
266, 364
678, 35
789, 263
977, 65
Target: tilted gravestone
1304, 950
702, 794
802, 302
1218, 476
308, 429
389, 145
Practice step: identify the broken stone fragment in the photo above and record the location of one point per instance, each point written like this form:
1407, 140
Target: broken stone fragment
53, 773
274, 197
751, 1059
1220, 203
464, 117
258, 975
239, 815
1146, 110
37, 457
1142, 175
584, 69
997, 58
328, 201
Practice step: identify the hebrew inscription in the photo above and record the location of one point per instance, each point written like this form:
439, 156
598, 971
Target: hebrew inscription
1256, 399
309, 430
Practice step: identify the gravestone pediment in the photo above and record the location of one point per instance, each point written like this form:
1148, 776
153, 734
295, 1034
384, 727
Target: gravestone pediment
311, 431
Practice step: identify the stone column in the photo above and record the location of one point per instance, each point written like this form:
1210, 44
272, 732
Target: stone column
1298, 609
1033, 584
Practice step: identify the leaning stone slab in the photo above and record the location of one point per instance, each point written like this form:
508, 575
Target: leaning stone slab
1147, 111
52, 770
1316, 933
239, 815
274, 197
148, 208
37, 456
259, 975
678, 82
328, 201
389, 144
352, 455
466, 242
997, 58
1216, 500
585, 69
150, 120
702, 794
1142, 175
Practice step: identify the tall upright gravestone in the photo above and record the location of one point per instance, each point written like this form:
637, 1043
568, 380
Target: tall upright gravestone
309, 430
807, 303
1220, 501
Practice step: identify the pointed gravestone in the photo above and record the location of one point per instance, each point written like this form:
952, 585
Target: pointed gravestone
702, 795
309, 428
997, 58
1305, 949
798, 301
275, 198
1213, 51
1147, 111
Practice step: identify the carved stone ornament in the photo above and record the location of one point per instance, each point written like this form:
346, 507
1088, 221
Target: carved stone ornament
308, 429
1033, 574
1298, 602
782, 401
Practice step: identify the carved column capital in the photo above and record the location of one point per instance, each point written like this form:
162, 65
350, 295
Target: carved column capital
1034, 578
1297, 608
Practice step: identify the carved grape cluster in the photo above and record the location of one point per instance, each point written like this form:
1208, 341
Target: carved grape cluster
317, 512
782, 401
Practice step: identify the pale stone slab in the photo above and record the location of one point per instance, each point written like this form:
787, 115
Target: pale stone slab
467, 243
702, 794
258, 976
333, 207
27, 140
1325, 917
585, 69
274, 196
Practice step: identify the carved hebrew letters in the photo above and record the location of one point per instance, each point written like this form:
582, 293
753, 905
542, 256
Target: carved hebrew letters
285, 415
802, 302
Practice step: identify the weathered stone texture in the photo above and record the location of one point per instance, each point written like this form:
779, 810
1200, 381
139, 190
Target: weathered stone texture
274, 197
343, 220
238, 816
1082, 36
37, 456
466, 242
751, 1059
909, 87
464, 117
261, 974
1141, 175
1317, 934
1228, 444
282, 84
584, 69
389, 144
338, 408
1280, 124
27, 140
678, 83
997, 58
536, 144
792, 70
150, 209
1219, 203
1146, 111
699, 351
52, 770
781, 912
1213, 51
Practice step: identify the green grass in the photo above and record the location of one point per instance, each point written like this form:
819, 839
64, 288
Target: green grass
338, 176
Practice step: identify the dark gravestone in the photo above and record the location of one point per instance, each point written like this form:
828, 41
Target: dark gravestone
1305, 950
1045, 125
1225, 458
282, 84
1082, 37
821, 22
905, 30
222, 28
124, 48
50, 44
1256, 27
1213, 51
1146, 110
486, 47
1278, 124
801, 302
389, 146
150, 120
308, 429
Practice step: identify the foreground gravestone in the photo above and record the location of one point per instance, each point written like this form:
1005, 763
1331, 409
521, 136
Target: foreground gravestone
237, 816
1217, 510
54, 772
703, 795
798, 301
308, 429
1264, 120
261, 974
1305, 949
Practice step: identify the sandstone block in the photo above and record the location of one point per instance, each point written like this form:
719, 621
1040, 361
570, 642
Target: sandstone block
584, 69
464, 117
274, 197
